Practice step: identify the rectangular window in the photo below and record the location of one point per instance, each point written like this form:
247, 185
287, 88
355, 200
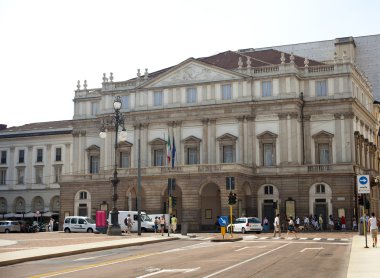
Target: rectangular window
226, 91
268, 154
57, 173
324, 153
3, 157
191, 95
3, 175
39, 155
192, 156
20, 175
58, 154
124, 102
124, 160
158, 157
228, 154
94, 164
266, 87
157, 98
39, 175
94, 108
21, 156
321, 88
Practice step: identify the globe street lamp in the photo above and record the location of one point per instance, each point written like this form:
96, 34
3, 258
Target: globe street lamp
115, 121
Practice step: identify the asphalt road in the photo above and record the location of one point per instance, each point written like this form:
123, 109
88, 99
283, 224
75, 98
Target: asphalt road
200, 258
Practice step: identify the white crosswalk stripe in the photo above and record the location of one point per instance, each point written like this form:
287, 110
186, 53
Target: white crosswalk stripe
317, 238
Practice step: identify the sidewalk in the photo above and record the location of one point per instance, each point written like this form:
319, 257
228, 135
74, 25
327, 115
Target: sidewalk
38, 253
363, 261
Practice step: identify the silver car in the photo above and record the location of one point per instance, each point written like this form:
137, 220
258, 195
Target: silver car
9, 226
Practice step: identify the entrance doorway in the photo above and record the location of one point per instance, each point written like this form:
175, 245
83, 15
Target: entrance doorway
210, 206
269, 212
321, 209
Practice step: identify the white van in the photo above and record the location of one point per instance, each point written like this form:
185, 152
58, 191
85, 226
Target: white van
79, 224
147, 224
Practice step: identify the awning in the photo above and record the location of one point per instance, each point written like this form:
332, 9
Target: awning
9, 215
49, 214
29, 214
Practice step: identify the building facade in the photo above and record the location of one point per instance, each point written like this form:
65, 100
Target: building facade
288, 134
33, 158
293, 133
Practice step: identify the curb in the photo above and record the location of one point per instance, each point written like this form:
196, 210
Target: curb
226, 239
79, 251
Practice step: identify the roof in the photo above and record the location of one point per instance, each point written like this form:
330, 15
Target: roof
38, 129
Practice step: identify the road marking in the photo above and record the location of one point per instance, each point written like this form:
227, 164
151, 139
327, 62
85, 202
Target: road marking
184, 270
85, 267
241, 249
303, 238
330, 239
263, 237
89, 258
317, 238
246, 261
314, 248
344, 239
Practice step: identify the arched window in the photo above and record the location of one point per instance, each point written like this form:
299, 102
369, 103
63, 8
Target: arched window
268, 190
82, 195
320, 189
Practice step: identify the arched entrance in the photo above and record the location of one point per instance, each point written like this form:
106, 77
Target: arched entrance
267, 195
246, 208
131, 199
82, 203
210, 206
320, 195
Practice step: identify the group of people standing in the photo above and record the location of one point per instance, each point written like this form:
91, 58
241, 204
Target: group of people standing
160, 222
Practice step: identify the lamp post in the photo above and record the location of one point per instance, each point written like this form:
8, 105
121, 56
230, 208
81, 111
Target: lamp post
116, 120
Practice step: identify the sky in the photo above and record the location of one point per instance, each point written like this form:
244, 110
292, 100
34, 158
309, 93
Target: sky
46, 46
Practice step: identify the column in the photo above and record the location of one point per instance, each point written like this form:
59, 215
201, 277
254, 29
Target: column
48, 175
283, 138
12, 166
240, 142
212, 141
67, 168
29, 179
204, 155
252, 135
307, 139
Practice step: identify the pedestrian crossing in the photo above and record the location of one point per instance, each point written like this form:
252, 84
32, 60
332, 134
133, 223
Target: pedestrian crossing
301, 238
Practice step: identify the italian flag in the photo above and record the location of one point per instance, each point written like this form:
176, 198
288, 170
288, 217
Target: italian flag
168, 150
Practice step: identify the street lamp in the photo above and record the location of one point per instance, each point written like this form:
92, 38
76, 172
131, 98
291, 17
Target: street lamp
116, 120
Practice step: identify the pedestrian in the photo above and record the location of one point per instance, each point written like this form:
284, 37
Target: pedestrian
343, 222
156, 222
297, 223
331, 223
320, 222
354, 224
128, 222
373, 228
277, 227
162, 224
291, 227
266, 224
51, 225
173, 220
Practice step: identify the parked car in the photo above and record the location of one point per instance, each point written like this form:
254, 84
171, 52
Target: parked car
246, 224
9, 226
79, 224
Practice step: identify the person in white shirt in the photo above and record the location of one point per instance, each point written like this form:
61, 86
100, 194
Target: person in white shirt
373, 228
277, 228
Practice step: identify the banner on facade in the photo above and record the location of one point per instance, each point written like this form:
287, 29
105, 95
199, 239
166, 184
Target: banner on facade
363, 184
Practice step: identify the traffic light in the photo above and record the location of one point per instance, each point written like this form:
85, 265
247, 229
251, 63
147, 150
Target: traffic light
274, 205
367, 204
361, 201
174, 201
232, 198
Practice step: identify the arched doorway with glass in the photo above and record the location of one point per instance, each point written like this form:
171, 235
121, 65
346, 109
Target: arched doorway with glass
320, 195
267, 202
210, 206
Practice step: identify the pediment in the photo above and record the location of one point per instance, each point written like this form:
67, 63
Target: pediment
93, 148
191, 139
192, 72
157, 141
125, 144
323, 134
267, 135
226, 137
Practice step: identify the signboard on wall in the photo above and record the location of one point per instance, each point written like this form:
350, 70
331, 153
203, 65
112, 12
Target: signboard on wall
363, 184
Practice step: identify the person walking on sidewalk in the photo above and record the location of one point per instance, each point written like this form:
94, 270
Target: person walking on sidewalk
373, 228
129, 224
162, 224
291, 227
277, 227
174, 223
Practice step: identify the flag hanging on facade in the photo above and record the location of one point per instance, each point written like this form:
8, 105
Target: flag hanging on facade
173, 152
168, 150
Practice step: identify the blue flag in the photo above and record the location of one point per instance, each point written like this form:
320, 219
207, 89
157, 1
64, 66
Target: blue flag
173, 153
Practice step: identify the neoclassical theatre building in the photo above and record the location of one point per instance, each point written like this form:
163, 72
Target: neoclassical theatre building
292, 132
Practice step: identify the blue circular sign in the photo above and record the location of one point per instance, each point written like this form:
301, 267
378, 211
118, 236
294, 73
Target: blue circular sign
223, 221
363, 180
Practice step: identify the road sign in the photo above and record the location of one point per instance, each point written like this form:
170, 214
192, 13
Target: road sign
223, 221
363, 184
